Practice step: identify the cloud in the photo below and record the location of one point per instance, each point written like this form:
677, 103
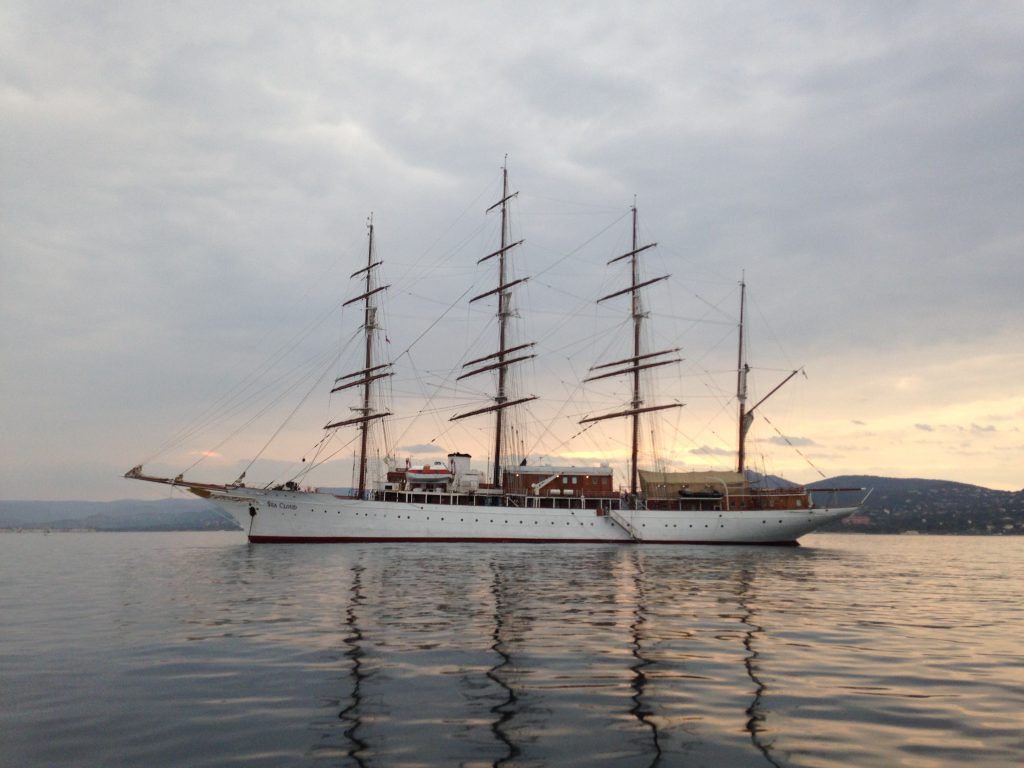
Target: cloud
707, 450
789, 440
979, 428
859, 423
428, 448
197, 184
924, 427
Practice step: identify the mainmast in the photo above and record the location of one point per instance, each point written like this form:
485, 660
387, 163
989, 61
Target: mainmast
746, 417
634, 365
502, 356
371, 371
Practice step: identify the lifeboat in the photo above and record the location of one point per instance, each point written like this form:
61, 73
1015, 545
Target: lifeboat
435, 472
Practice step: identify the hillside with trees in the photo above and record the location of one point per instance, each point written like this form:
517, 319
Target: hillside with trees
898, 505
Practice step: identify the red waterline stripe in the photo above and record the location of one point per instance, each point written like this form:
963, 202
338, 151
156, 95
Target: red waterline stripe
495, 540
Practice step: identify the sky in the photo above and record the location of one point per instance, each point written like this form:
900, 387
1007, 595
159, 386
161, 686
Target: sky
186, 188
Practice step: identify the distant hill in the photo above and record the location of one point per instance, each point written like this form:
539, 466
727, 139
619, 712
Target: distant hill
898, 505
126, 515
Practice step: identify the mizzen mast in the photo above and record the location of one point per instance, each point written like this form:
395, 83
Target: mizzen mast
506, 356
742, 369
746, 416
371, 370
639, 361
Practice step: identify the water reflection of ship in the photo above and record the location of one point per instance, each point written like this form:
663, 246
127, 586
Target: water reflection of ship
522, 713
522, 607
641, 709
522, 697
500, 673
756, 712
351, 714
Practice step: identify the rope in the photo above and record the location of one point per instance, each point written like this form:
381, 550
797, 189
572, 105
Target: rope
790, 444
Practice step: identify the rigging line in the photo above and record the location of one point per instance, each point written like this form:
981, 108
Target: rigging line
558, 414
566, 319
318, 448
409, 275
330, 456
472, 205
430, 327
790, 444
426, 405
581, 246
269, 387
443, 384
229, 410
764, 323
254, 418
706, 427
234, 392
595, 207
415, 272
467, 291
295, 410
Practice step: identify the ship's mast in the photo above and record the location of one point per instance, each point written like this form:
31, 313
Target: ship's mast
746, 416
502, 356
633, 365
503, 301
370, 372
741, 389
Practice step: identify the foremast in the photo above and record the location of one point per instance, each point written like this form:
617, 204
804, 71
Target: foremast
639, 361
371, 371
506, 356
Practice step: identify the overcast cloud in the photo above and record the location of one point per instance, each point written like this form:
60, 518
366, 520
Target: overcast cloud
185, 189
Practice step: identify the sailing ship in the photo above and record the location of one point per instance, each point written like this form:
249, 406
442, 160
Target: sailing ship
513, 503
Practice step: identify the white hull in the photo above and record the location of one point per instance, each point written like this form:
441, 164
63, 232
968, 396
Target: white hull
308, 517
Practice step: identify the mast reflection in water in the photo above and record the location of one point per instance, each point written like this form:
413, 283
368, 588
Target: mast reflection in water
193, 649
353, 639
755, 723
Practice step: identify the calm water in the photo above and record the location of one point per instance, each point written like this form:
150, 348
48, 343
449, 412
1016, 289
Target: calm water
200, 650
